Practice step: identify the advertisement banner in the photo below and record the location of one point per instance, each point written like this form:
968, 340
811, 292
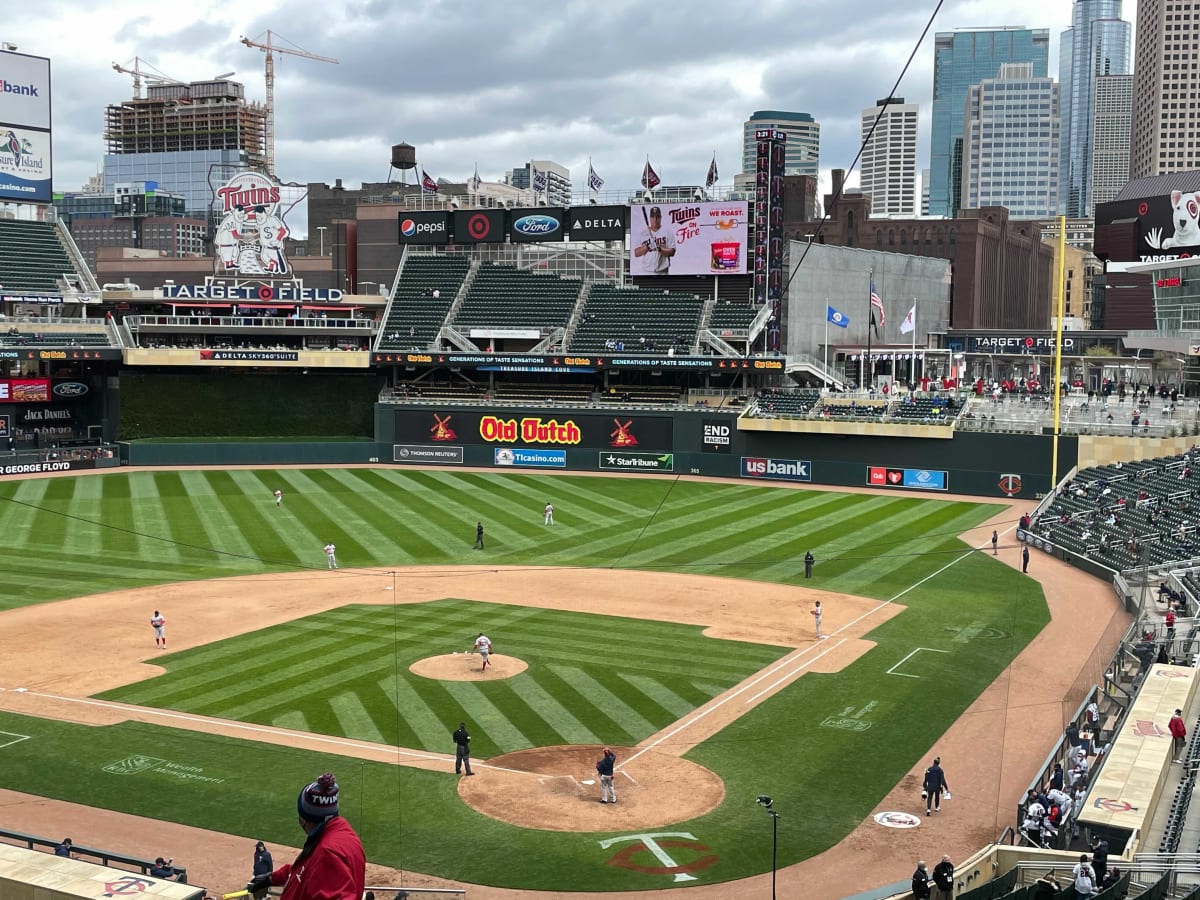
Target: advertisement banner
688, 238
776, 469
716, 436
24, 390
43, 416
39, 468
479, 226
637, 462
1168, 224
541, 459
70, 390
598, 223
916, 479
424, 227
540, 225
427, 453
251, 355
530, 429
25, 90
25, 170
5, 426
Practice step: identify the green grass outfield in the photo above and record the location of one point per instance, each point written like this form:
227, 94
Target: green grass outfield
69, 536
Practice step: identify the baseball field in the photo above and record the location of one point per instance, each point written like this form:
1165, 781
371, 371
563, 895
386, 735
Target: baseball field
667, 618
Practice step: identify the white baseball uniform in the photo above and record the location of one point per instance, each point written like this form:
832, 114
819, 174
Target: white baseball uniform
159, 622
653, 262
549, 514
331, 555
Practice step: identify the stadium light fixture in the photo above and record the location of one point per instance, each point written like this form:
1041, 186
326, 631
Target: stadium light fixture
768, 804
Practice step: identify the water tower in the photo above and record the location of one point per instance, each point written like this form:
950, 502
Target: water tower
404, 157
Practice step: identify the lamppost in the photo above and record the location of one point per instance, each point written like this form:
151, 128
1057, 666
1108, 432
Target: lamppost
766, 803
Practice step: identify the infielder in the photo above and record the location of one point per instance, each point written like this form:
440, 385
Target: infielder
159, 623
817, 613
483, 647
654, 247
278, 498
549, 513
331, 555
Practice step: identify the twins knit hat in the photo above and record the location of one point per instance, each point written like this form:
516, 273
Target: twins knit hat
319, 800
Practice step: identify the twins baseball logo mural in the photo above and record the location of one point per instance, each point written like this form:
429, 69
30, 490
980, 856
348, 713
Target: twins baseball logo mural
250, 238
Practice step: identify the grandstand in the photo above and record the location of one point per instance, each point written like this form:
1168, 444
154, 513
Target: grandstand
32, 260
507, 297
414, 316
635, 320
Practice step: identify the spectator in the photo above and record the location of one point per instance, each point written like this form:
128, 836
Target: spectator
1178, 735
263, 864
163, 868
1085, 878
920, 882
64, 848
1099, 857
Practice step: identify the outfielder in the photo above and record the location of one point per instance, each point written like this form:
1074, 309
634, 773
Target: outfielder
159, 623
549, 514
331, 555
654, 247
483, 647
278, 498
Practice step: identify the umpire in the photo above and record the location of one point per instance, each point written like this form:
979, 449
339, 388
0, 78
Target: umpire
462, 750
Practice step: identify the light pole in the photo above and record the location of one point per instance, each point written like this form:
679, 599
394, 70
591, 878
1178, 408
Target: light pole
767, 803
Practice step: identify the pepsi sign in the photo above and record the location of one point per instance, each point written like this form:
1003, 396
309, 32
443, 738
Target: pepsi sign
538, 225
424, 227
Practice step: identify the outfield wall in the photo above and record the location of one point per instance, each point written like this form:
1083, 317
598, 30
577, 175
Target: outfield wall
703, 443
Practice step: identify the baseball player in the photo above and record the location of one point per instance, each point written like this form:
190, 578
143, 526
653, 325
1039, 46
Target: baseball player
159, 623
604, 768
483, 647
278, 498
654, 247
331, 555
549, 513
817, 613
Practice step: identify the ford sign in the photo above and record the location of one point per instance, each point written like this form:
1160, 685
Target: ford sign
536, 226
70, 389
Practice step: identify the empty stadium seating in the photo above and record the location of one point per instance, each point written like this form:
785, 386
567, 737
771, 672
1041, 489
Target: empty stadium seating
31, 257
414, 318
507, 297
728, 315
925, 410
27, 337
632, 320
786, 404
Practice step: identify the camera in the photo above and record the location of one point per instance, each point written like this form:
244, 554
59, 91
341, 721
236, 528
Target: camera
764, 800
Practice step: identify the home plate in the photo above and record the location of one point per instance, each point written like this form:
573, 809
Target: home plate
389, 588
588, 781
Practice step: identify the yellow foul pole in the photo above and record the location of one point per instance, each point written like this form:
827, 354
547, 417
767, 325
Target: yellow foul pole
1058, 330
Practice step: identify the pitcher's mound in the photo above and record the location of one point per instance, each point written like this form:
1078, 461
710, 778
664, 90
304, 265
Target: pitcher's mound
544, 788
465, 667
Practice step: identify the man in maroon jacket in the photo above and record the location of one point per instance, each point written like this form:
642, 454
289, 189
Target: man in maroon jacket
331, 866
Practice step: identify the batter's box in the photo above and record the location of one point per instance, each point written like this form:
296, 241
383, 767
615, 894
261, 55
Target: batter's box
131, 765
16, 738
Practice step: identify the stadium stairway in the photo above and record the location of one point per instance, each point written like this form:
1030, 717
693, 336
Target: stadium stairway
414, 317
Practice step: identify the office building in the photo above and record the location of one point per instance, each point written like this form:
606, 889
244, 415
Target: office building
134, 215
1011, 143
962, 59
1096, 44
889, 161
558, 181
1163, 125
803, 153
1110, 137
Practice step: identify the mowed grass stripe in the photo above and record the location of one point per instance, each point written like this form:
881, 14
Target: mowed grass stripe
113, 506
381, 517
409, 531
455, 508
417, 725
150, 519
667, 698
343, 507
309, 512
598, 717
354, 718
193, 541
213, 510
492, 721
451, 537
555, 714
526, 719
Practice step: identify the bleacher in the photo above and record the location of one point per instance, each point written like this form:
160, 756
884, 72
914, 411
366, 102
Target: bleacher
414, 317
31, 257
667, 395
635, 320
925, 410
22, 336
565, 394
853, 410
507, 297
729, 315
785, 404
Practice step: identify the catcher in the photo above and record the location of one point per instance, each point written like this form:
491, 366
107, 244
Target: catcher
483, 647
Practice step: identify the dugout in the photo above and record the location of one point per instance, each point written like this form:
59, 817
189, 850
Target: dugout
31, 875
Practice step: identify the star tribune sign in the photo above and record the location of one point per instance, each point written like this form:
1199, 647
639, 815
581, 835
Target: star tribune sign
250, 238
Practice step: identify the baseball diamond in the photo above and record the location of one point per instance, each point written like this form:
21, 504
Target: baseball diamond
662, 616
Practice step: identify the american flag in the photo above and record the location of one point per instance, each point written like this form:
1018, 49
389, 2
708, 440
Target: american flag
712, 173
595, 182
428, 185
650, 179
539, 181
877, 305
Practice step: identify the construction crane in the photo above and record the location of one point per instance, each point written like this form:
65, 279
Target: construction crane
271, 49
154, 77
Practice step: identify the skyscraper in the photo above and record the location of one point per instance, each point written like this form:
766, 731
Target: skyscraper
1110, 137
1011, 143
1096, 44
803, 140
1164, 130
889, 162
962, 59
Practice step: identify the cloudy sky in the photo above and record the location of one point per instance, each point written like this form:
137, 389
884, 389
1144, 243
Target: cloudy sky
499, 83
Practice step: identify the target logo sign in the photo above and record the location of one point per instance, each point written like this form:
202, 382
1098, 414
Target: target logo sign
479, 226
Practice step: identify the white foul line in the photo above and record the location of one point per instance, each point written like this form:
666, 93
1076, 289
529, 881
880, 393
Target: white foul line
800, 668
892, 670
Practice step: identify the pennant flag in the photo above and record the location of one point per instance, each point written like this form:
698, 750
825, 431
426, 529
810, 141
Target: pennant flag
595, 182
476, 181
711, 179
910, 321
837, 318
650, 179
877, 304
539, 182
428, 185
